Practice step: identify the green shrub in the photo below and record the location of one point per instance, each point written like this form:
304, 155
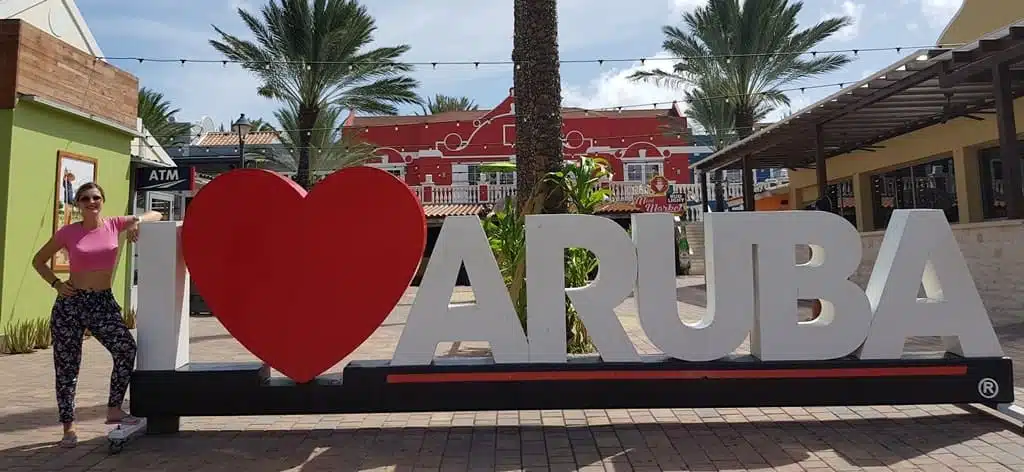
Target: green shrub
20, 337
41, 333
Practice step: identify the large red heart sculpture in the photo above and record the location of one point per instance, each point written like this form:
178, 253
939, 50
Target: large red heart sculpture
301, 280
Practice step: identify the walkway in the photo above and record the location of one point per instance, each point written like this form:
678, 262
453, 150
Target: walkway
925, 438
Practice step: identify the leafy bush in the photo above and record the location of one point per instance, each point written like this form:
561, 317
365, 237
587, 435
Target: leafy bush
41, 333
578, 183
20, 337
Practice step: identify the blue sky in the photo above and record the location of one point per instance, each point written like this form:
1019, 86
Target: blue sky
470, 30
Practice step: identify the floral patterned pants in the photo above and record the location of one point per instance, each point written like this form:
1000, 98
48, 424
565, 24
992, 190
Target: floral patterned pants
99, 312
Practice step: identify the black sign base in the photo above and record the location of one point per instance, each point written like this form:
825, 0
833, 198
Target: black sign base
585, 383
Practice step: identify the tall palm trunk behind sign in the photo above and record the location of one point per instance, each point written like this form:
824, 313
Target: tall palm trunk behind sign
538, 100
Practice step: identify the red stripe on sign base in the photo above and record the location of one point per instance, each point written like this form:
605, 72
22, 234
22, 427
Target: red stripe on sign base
583, 375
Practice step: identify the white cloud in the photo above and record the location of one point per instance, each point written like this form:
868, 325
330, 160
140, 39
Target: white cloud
854, 11
613, 88
682, 6
478, 30
939, 12
912, 26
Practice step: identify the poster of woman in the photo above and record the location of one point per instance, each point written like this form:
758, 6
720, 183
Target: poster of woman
73, 170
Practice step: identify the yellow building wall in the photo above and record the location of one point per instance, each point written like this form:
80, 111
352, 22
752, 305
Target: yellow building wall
960, 139
979, 17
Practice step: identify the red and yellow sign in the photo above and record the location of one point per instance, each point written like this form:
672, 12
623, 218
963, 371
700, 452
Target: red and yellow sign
659, 185
663, 200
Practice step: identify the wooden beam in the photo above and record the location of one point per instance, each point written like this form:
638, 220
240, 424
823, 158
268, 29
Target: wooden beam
883, 93
748, 183
820, 169
961, 74
1013, 191
703, 189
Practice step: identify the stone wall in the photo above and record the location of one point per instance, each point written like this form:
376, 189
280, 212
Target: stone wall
995, 256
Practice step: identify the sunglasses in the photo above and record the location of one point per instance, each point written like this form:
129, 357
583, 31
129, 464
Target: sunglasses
86, 198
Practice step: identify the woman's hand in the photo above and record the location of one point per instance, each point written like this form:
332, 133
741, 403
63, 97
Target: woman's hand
65, 289
132, 232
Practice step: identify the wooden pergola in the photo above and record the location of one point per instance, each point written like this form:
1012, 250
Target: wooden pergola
926, 88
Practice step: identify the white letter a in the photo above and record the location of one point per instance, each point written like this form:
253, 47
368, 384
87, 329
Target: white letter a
921, 242
433, 319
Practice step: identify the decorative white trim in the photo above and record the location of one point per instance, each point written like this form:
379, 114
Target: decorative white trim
83, 27
643, 160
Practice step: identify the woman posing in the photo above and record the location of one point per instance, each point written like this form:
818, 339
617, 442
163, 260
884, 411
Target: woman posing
86, 301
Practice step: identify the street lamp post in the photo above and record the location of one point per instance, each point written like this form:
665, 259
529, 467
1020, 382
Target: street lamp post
242, 127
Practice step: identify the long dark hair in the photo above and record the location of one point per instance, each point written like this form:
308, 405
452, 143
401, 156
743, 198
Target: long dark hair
87, 186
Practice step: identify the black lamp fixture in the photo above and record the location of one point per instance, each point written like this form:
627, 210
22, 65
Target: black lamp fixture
241, 126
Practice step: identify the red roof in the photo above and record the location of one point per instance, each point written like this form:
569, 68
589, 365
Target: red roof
617, 207
231, 139
444, 210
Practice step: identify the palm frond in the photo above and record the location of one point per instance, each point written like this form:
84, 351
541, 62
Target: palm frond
158, 116
731, 49
317, 57
446, 103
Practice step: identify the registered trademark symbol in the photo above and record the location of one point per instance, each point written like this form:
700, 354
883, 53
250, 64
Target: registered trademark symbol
988, 388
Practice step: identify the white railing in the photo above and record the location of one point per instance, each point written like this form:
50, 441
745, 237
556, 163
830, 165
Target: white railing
621, 192
463, 194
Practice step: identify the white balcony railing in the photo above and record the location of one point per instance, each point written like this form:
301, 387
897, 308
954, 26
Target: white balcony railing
621, 192
463, 194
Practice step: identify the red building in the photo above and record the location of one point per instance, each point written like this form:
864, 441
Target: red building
446, 149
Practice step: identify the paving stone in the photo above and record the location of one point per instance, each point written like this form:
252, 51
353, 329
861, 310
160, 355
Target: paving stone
883, 438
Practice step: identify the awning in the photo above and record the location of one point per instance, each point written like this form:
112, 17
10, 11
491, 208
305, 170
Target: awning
925, 88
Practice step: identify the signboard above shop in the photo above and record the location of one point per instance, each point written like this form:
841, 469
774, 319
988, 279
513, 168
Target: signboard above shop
165, 179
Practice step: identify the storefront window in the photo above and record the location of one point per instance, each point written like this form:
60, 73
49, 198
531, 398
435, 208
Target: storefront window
993, 199
928, 185
843, 203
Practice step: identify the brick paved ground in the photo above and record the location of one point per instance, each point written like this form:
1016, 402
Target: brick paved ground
926, 438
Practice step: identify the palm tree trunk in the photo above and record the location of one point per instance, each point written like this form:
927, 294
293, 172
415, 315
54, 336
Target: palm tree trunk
538, 99
307, 120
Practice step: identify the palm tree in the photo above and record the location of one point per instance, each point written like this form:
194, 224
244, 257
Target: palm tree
730, 48
314, 55
158, 117
446, 103
259, 124
329, 149
538, 98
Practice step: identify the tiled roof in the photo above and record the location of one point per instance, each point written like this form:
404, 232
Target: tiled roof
231, 139
617, 207
444, 210
371, 121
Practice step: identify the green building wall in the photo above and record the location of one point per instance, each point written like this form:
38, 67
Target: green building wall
30, 136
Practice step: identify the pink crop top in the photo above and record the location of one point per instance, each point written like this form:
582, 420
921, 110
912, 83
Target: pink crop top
94, 249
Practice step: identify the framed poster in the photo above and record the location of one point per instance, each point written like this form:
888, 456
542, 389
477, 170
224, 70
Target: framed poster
73, 170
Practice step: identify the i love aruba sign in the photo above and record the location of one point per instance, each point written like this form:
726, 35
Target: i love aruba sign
302, 279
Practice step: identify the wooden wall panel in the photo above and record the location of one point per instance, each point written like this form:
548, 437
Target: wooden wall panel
50, 68
9, 31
